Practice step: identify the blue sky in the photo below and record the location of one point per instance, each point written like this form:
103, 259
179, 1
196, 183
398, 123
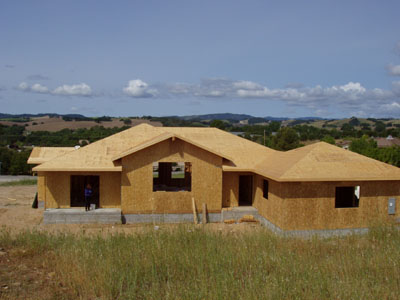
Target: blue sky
265, 58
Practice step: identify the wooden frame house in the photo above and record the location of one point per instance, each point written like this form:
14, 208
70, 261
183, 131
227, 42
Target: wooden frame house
150, 174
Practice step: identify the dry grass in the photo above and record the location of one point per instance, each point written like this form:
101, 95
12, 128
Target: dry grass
189, 262
57, 124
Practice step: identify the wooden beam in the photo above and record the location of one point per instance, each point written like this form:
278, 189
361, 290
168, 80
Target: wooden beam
194, 211
204, 215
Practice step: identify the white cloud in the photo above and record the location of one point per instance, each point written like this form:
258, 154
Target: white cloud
352, 87
81, 89
139, 89
394, 70
38, 88
350, 98
23, 86
246, 85
69, 90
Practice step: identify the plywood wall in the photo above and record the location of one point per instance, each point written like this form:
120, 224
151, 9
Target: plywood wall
110, 189
137, 194
57, 189
312, 205
41, 186
230, 189
270, 208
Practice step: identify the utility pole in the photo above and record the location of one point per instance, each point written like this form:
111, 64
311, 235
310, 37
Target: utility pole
264, 137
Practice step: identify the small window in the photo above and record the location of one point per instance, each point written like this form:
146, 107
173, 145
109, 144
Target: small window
172, 176
347, 196
265, 190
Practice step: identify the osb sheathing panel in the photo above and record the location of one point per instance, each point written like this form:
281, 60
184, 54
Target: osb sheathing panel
137, 194
57, 191
110, 190
270, 208
312, 205
230, 189
41, 186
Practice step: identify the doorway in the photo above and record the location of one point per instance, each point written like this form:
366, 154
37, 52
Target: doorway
245, 190
78, 184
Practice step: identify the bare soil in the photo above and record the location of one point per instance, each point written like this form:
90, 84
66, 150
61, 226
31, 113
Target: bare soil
17, 214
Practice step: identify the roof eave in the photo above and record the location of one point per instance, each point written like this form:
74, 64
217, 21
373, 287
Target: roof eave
77, 169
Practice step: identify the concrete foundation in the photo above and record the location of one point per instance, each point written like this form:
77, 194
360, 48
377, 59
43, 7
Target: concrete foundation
236, 213
80, 216
114, 216
310, 233
168, 218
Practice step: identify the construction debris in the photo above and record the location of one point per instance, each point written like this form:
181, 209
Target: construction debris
248, 219
230, 221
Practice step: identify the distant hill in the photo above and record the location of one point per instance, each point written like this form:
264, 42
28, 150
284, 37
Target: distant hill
51, 115
220, 116
240, 117
55, 122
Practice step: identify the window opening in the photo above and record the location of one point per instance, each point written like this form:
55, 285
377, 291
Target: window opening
172, 176
347, 196
265, 190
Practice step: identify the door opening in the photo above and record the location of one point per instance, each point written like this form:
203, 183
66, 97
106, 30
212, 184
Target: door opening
245, 190
78, 184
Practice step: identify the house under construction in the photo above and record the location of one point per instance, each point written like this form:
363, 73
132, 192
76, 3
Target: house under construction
152, 174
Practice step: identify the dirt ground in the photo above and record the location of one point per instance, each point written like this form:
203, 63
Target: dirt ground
17, 214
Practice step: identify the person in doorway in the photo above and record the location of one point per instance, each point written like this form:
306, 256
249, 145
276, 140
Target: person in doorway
88, 196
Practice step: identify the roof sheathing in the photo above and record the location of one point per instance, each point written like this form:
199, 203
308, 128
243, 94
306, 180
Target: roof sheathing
316, 162
40, 155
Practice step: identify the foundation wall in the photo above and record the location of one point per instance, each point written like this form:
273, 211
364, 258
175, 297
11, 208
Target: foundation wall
137, 180
312, 205
57, 191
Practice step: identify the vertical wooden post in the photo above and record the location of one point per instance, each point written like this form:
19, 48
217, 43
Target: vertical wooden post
204, 221
194, 211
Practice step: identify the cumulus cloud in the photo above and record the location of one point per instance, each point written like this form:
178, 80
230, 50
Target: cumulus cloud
81, 89
139, 89
394, 70
38, 88
350, 98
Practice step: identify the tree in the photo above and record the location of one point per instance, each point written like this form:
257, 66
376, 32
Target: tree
218, 124
328, 139
286, 139
365, 146
127, 121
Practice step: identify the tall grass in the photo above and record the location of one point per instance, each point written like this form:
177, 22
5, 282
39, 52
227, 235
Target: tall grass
19, 182
193, 263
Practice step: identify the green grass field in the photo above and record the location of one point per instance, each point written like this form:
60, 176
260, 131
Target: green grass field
193, 263
19, 182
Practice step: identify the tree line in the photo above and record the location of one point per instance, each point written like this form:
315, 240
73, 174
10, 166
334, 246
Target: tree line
16, 143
